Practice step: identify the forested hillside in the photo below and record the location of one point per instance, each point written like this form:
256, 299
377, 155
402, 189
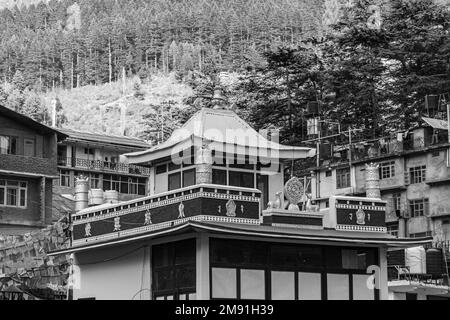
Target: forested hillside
366, 67
72, 43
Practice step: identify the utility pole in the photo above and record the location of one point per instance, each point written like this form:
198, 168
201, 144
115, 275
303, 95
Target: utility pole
317, 123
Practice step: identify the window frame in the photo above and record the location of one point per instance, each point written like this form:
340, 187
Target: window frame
387, 170
419, 207
19, 188
343, 178
66, 175
417, 174
9, 139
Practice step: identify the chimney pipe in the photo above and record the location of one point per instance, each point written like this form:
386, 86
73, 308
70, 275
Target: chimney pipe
81, 193
373, 181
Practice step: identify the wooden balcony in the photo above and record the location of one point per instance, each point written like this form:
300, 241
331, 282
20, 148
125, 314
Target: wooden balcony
103, 166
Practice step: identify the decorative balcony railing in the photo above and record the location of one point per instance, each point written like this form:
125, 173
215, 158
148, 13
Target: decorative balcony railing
99, 165
196, 203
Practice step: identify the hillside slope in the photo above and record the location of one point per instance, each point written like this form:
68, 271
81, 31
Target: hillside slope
97, 108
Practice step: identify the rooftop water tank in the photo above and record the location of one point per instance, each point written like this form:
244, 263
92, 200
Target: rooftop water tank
81, 193
111, 196
96, 197
416, 260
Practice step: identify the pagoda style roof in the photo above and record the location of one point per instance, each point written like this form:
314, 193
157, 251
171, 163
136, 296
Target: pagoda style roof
221, 129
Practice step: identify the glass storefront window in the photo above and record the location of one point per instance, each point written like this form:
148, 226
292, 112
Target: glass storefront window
224, 283
309, 286
338, 286
361, 290
252, 284
283, 285
304, 272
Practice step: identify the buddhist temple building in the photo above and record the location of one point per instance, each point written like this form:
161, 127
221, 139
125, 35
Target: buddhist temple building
220, 221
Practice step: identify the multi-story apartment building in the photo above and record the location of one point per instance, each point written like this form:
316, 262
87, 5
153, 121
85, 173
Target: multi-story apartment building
28, 164
98, 157
415, 179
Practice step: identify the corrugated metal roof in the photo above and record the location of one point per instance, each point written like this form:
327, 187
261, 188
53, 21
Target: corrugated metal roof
436, 123
107, 139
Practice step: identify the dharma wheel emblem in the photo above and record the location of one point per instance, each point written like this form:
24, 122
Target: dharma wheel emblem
87, 230
360, 216
231, 208
294, 190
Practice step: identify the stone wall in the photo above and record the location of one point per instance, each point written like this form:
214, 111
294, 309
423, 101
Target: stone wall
24, 258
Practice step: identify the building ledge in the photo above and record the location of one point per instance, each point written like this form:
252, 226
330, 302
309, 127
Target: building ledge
28, 174
403, 286
438, 181
20, 223
294, 219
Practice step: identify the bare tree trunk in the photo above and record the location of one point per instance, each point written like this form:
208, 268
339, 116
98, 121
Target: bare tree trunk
110, 60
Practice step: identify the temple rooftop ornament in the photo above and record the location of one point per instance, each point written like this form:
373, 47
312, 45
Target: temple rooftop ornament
219, 101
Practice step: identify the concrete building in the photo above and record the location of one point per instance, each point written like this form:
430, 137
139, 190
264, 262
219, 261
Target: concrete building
98, 157
414, 174
204, 231
28, 166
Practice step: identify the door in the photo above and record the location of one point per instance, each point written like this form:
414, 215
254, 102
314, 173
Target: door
29, 148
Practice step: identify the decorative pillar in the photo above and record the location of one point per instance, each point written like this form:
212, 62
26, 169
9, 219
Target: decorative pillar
373, 181
383, 276
202, 263
203, 161
81, 193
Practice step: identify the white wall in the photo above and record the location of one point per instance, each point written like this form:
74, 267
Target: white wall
119, 279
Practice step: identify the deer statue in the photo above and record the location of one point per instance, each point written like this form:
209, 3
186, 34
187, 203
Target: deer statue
275, 204
310, 206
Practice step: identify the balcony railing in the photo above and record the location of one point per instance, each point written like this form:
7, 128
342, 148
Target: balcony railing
104, 166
